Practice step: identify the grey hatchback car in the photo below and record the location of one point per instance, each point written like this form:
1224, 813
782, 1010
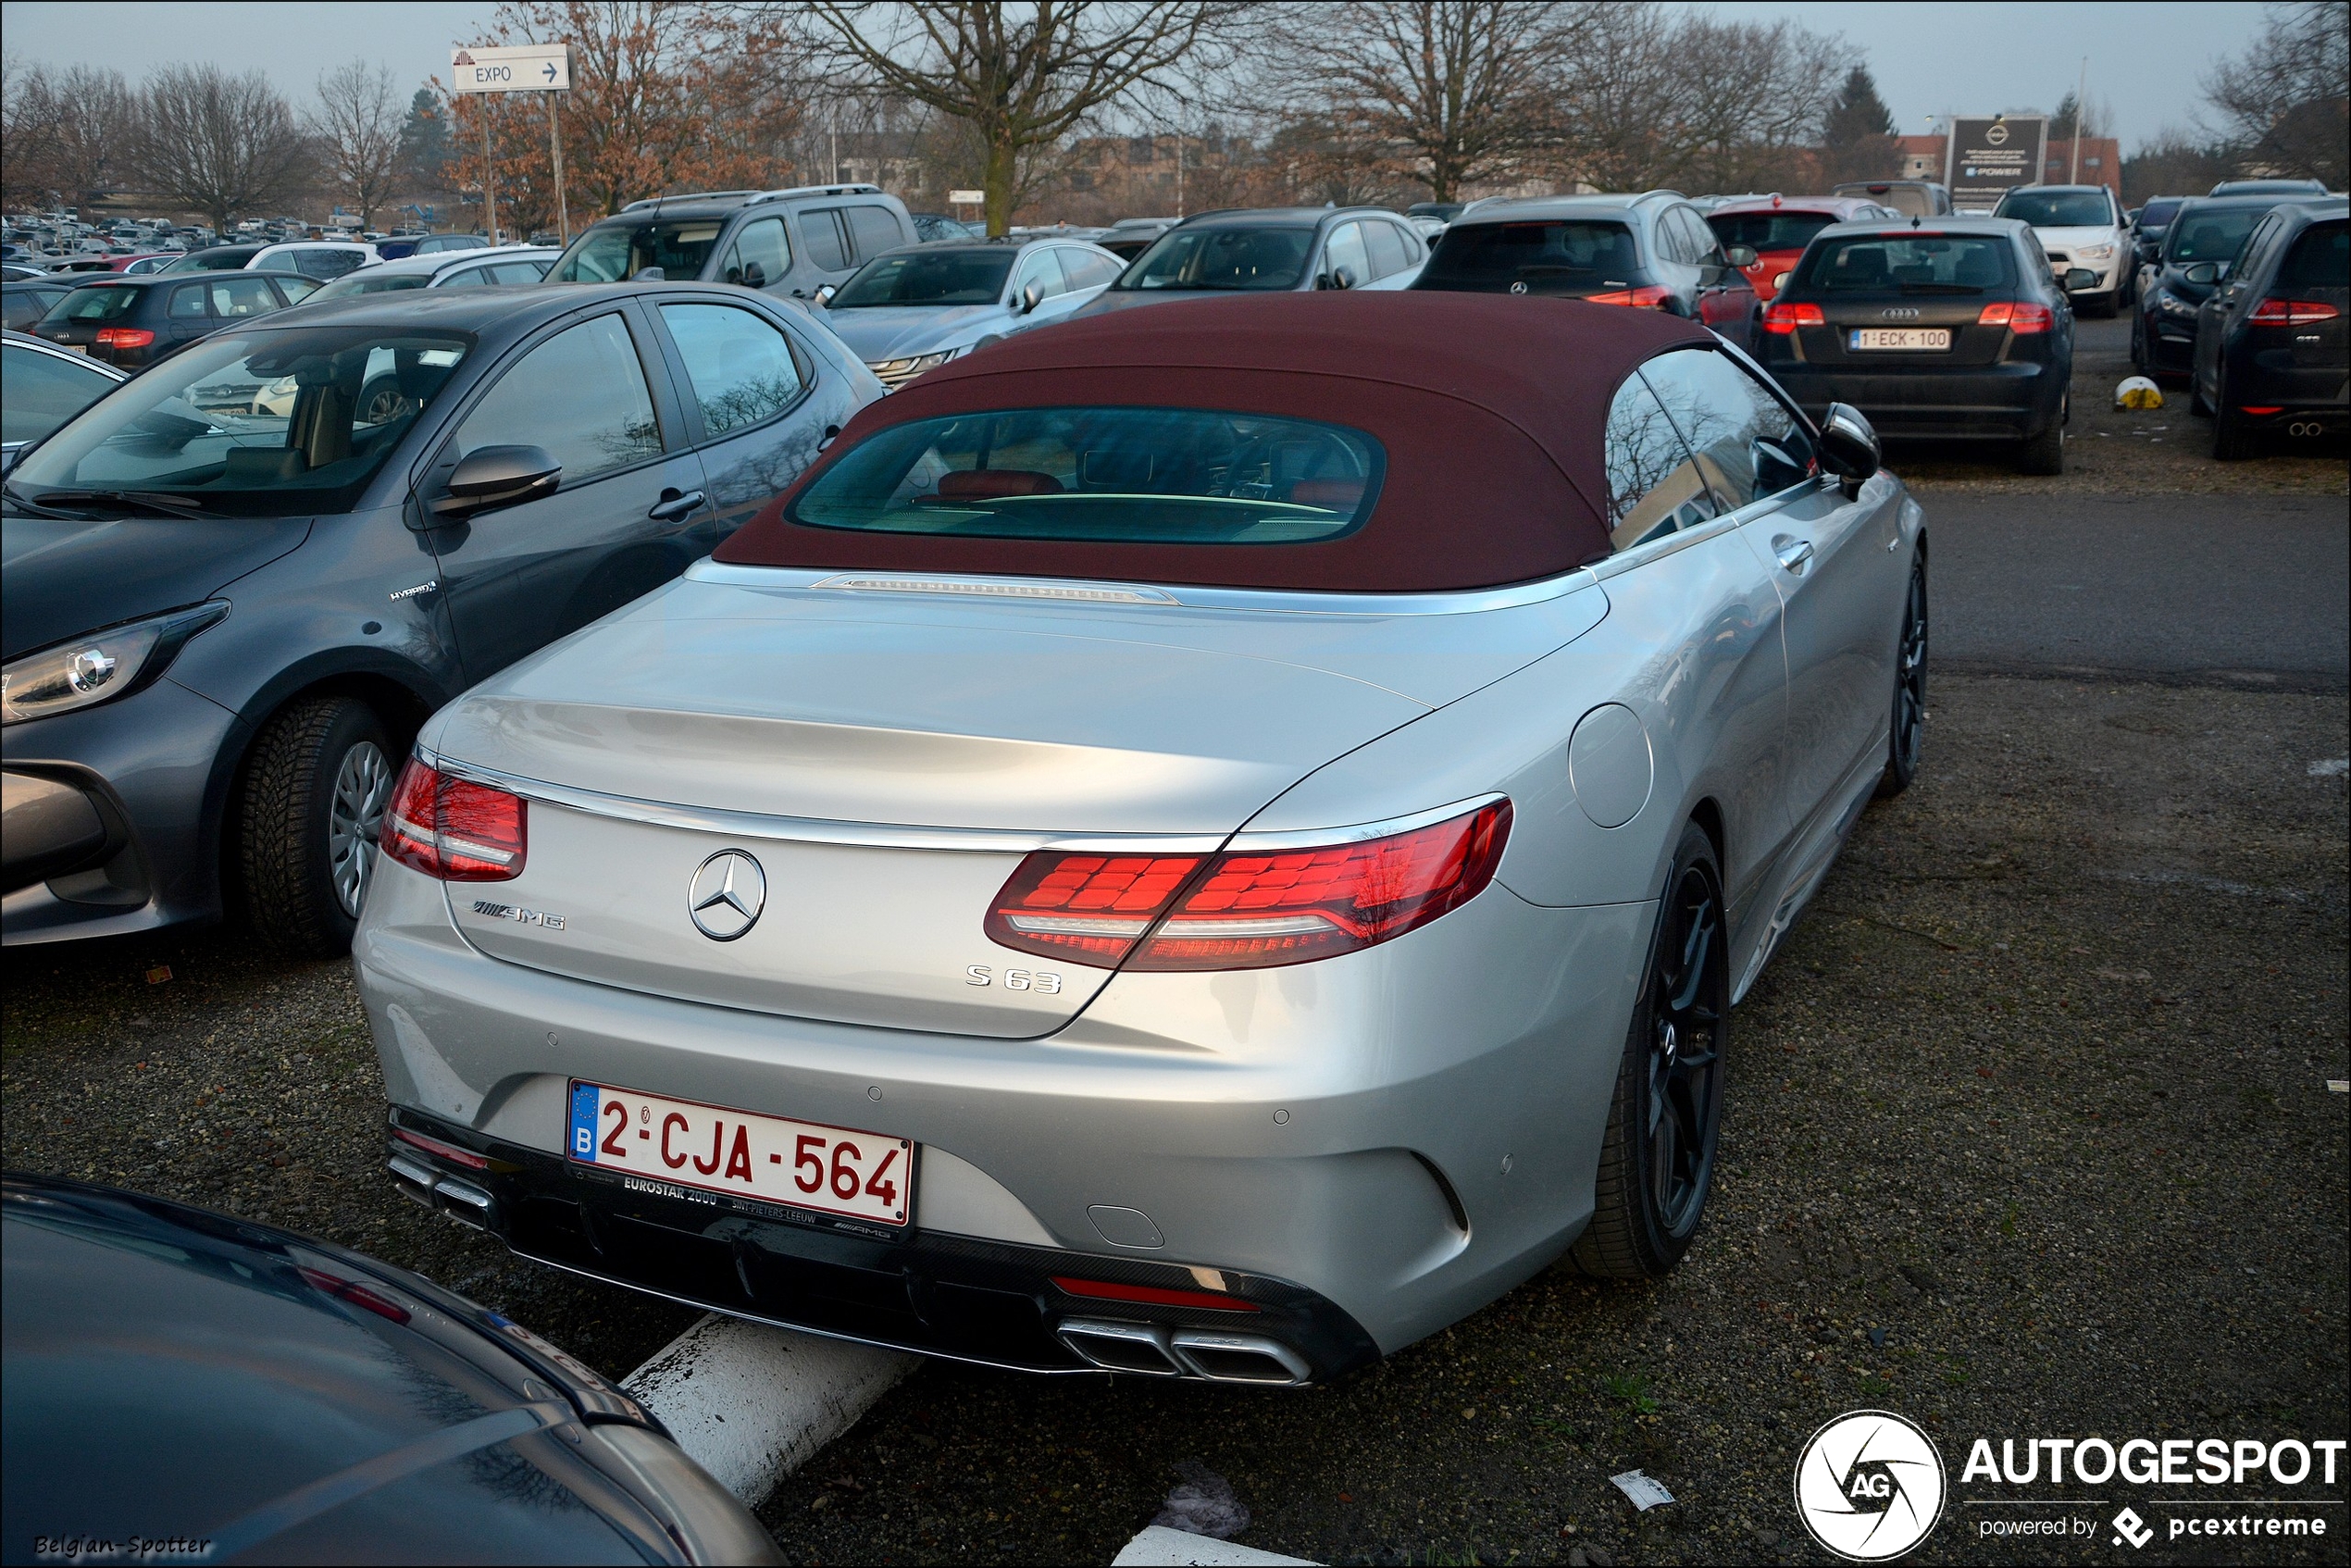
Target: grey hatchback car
237, 584
1270, 250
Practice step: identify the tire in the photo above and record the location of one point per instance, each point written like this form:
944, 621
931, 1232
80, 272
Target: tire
2196, 404
2234, 437
2106, 307
382, 402
2140, 359
2044, 454
1665, 1118
1906, 741
316, 785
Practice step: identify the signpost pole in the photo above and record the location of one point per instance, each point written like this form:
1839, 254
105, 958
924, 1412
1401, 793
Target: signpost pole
555, 149
2080, 113
489, 177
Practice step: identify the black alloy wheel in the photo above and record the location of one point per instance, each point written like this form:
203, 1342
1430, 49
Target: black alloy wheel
1657, 1160
1908, 737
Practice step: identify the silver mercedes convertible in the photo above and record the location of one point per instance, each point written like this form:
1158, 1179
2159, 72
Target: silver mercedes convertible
1205, 843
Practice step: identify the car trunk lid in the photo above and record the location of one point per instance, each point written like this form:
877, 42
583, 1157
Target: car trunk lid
888, 759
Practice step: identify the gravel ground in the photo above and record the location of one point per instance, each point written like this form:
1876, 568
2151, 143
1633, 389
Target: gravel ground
2144, 450
2037, 1090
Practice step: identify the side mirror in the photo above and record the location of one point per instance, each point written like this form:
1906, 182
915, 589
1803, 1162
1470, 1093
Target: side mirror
825, 292
2078, 278
754, 275
1030, 298
1336, 277
650, 275
1739, 256
1849, 446
2204, 274
498, 476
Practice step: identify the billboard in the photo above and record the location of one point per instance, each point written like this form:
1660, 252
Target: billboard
1989, 157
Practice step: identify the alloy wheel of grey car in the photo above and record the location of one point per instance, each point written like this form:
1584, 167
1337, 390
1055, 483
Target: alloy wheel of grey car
1667, 1116
1909, 735
315, 788
363, 786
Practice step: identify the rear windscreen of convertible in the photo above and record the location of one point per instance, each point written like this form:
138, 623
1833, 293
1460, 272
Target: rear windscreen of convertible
1131, 476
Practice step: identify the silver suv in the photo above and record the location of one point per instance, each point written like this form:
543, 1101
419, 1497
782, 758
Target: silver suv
789, 243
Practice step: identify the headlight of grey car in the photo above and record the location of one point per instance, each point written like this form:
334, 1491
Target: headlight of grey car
100, 666
2172, 304
918, 366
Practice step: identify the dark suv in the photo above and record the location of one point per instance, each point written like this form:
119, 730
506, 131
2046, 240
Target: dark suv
2204, 236
2270, 352
236, 584
1653, 251
1956, 331
791, 243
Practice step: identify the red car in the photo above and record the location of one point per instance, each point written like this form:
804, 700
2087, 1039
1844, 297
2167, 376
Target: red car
1777, 229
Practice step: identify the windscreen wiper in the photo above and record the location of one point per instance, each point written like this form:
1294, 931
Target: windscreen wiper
154, 501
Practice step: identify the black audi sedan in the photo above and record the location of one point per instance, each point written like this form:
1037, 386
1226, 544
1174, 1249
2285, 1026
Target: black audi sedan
2204, 237
132, 322
1652, 252
2270, 350
236, 585
222, 1390
1953, 331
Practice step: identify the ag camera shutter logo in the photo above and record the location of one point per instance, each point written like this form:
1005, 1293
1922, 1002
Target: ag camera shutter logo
1869, 1486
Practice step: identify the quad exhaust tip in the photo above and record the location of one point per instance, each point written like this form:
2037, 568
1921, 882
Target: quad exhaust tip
461, 1200
1149, 1349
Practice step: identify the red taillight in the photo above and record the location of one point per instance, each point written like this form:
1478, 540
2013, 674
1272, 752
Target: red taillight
2291, 313
453, 828
1648, 296
1785, 318
2017, 316
1245, 909
125, 337
1087, 908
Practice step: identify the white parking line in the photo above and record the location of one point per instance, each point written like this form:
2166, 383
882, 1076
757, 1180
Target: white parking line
751, 1403
1159, 1547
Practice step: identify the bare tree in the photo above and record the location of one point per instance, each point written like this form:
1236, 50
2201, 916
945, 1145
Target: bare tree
2286, 103
357, 126
1448, 92
65, 132
1624, 101
1022, 76
216, 143
1755, 96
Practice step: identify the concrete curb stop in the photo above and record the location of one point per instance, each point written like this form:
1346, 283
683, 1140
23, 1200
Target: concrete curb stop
751, 1403
1159, 1547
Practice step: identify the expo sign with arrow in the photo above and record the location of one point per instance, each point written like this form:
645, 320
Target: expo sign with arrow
521, 68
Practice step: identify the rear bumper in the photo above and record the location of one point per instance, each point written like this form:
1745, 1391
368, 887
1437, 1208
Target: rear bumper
1376, 1144
2016, 400
966, 1297
2269, 378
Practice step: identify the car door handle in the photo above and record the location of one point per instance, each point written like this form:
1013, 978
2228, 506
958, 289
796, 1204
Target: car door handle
1793, 554
673, 505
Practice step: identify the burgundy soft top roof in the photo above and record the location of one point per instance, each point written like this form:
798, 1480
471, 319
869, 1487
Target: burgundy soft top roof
1490, 408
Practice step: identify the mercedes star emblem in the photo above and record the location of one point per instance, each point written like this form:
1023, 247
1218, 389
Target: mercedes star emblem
728, 892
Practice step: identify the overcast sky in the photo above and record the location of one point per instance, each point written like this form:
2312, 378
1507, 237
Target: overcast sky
1968, 56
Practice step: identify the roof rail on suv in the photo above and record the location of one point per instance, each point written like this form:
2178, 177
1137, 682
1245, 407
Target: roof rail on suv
860, 189
686, 196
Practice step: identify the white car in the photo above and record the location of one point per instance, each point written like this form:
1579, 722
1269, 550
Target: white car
2078, 226
323, 259
445, 269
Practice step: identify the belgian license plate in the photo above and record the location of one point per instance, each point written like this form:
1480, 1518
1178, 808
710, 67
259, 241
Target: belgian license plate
1915, 338
798, 1164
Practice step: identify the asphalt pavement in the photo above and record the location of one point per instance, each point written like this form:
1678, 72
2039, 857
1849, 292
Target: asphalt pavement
2215, 589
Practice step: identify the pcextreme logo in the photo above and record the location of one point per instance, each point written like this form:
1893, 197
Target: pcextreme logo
1869, 1486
